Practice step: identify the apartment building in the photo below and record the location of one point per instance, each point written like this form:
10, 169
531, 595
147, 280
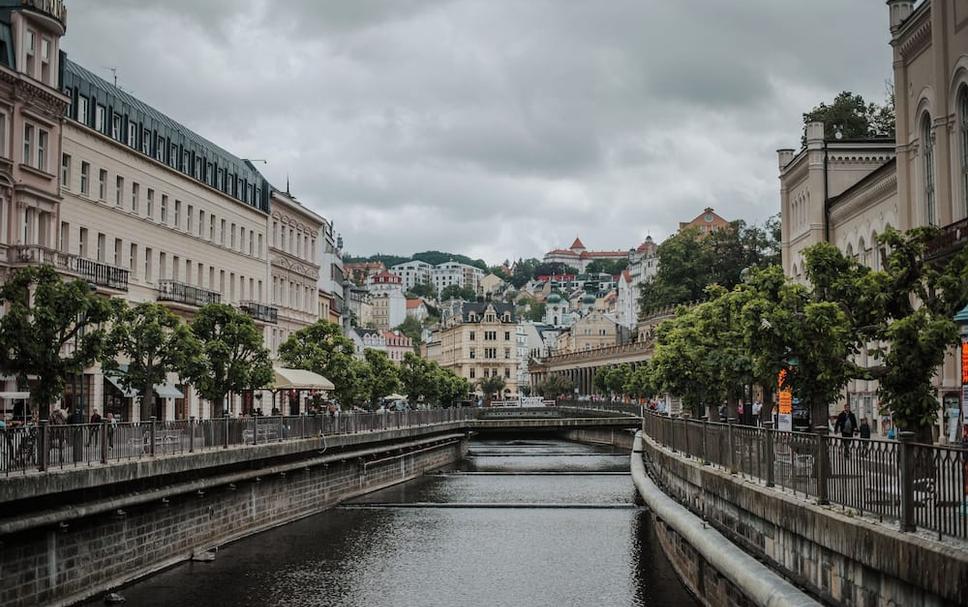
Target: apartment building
479, 342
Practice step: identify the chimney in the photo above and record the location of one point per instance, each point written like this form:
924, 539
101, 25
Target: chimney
815, 134
784, 156
900, 10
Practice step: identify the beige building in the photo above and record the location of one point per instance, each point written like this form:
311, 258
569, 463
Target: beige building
479, 342
593, 330
847, 192
294, 258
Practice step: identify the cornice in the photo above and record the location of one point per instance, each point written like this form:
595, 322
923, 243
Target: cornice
915, 37
296, 266
863, 198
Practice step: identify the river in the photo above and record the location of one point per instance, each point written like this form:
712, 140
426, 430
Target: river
518, 523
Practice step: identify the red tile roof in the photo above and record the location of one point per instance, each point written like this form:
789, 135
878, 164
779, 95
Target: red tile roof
577, 244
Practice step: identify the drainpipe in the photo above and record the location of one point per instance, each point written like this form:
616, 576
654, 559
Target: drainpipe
826, 198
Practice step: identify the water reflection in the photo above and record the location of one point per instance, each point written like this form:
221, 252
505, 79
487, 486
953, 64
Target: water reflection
466, 556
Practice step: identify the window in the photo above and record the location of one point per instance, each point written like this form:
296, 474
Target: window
222, 232
3, 135
82, 242
164, 209
232, 236
135, 196
174, 267
927, 153
191, 218
133, 259
472, 336
116, 126
119, 190
173, 155
65, 237
178, 214
201, 223
150, 205
82, 116
507, 336
241, 238
102, 184
963, 115
507, 352
85, 178
260, 245
42, 137
251, 247
148, 253
472, 374
211, 228
473, 352
28, 138
160, 149
132, 135
66, 171
507, 373
186, 166
117, 252
162, 265
30, 47
99, 113
146, 142
45, 60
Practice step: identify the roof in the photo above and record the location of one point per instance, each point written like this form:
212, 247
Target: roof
385, 276
562, 252
648, 243
593, 254
414, 302
577, 244
299, 379
479, 307
887, 167
77, 80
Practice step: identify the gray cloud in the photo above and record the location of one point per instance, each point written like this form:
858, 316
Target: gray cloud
498, 128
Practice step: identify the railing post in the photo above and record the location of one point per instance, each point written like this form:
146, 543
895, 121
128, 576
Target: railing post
705, 453
282, 427
672, 433
906, 455
769, 454
225, 431
103, 430
685, 433
191, 434
255, 429
823, 463
43, 446
151, 437
730, 451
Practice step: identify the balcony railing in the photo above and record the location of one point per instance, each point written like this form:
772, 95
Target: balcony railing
94, 272
180, 292
952, 237
260, 311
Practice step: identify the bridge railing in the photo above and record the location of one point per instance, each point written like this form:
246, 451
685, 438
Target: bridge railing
914, 485
43, 447
609, 406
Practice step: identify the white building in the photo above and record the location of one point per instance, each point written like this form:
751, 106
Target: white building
389, 305
413, 273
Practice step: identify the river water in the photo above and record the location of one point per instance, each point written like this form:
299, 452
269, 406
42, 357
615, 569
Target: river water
518, 523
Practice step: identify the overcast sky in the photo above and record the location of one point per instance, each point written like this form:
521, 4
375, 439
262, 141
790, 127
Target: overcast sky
496, 128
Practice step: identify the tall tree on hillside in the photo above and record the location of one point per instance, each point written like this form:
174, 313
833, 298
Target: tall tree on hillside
52, 330
154, 342
232, 357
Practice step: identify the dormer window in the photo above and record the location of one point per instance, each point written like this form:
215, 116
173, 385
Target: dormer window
29, 46
146, 142
132, 134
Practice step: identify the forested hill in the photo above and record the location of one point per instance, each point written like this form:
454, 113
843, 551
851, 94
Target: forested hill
431, 257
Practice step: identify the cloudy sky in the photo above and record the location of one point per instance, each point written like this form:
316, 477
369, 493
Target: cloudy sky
496, 128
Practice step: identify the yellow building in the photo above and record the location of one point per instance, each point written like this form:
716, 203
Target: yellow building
479, 343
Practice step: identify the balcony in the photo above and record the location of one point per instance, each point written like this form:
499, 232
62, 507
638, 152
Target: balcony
260, 311
952, 237
95, 272
184, 293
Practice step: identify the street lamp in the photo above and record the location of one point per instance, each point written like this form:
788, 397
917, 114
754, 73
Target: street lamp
962, 319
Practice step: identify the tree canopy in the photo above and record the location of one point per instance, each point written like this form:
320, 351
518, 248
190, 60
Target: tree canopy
458, 292
853, 117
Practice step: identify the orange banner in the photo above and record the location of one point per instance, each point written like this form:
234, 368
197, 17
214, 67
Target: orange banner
964, 363
785, 394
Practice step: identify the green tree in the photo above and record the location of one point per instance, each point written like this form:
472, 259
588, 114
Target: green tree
683, 272
231, 357
52, 330
607, 266
383, 373
536, 311
424, 289
458, 292
555, 386
412, 328
489, 386
419, 378
853, 118
523, 271
322, 348
452, 388
154, 341
641, 382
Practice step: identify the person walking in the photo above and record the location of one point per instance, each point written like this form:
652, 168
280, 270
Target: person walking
846, 424
94, 433
865, 434
112, 424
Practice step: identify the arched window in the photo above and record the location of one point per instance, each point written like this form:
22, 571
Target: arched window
927, 153
963, 124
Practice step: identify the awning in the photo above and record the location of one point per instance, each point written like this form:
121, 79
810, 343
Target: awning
395, 397
167, 390
299, 379
14, 395
117, 384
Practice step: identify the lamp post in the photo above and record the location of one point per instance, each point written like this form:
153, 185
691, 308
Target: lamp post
962, 319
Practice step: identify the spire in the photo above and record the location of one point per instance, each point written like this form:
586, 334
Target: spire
287, 185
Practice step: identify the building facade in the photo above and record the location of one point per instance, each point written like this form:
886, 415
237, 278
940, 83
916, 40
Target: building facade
479, 342
388, 304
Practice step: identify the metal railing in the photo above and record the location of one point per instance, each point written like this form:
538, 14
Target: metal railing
42, 447
260, 311
95, 272
950, 238
915, 485
181, 292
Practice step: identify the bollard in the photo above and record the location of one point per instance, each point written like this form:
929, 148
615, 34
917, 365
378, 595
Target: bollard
104, 441
191, 434
823, 463
151, 437
769, 455
906, 455
730, 452
43, 446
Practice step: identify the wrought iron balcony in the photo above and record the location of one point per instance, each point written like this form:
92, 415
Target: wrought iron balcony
952, 237
260, 311
180, 292
94, 272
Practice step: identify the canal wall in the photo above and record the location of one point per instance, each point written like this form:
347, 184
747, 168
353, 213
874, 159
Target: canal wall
107, 541
621, 438
839, 559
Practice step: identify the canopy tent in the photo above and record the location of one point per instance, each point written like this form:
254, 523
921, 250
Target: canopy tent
163, 390
299, 379
395, 397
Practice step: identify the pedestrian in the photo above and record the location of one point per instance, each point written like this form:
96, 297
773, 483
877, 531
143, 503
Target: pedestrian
865, 434
112, 424
846, 424
891, 432
94, 433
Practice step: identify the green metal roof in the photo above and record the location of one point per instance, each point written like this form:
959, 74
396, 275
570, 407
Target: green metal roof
219, 168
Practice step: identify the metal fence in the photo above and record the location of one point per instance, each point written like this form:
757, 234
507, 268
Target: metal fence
44, 447
916, 485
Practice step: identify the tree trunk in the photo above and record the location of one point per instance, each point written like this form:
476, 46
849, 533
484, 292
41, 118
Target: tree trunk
147, 402
219, 407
